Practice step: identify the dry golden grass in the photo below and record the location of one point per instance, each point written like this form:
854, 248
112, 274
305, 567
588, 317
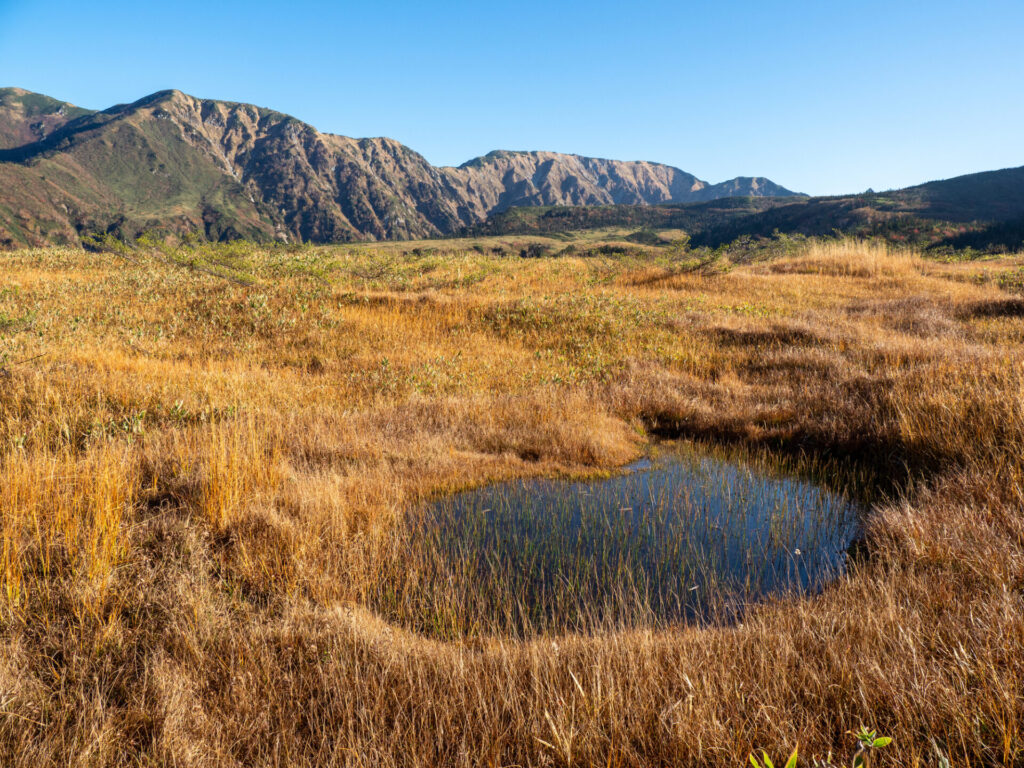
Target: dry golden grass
203, 462
836, 258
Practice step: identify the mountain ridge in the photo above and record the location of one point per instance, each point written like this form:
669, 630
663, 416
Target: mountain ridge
983, 211
170, 161
26, 117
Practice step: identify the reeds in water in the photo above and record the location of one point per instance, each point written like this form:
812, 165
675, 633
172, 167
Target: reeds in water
687, 537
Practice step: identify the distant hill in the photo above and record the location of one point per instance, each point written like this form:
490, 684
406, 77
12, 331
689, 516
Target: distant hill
27, 117
174, 163
691, 217
981, 210
948, 212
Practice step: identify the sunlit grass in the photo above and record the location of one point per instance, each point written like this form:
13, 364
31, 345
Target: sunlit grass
210, 458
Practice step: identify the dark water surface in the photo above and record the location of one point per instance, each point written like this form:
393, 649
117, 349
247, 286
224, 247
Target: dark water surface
680, 536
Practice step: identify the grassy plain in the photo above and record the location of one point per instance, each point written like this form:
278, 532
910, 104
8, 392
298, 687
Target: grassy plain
204, 455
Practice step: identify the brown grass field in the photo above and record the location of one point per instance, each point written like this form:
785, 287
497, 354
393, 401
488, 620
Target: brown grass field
205, 456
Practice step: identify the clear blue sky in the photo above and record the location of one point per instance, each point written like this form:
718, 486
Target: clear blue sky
820, 96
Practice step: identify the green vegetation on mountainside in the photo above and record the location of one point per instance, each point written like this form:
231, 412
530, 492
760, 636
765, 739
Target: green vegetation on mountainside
223, 170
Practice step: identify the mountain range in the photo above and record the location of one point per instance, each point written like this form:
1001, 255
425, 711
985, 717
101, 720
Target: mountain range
983, 211
174, 163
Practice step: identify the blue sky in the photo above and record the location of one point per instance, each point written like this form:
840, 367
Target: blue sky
823, 97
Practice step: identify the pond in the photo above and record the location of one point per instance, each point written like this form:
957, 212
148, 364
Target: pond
682, 536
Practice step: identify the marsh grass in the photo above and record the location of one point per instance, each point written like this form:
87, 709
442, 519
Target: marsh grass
204, 480
64, 524
836, 259
687, 537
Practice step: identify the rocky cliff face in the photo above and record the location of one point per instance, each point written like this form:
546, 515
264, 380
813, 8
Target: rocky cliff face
501, 180
174, 162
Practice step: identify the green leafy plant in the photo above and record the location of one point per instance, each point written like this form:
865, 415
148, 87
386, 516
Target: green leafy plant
868, 742
766, 762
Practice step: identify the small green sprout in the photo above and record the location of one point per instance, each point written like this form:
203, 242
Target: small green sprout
871, 739
766, 762
868, 741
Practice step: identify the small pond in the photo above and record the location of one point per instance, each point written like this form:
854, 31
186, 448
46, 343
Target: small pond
682, 536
